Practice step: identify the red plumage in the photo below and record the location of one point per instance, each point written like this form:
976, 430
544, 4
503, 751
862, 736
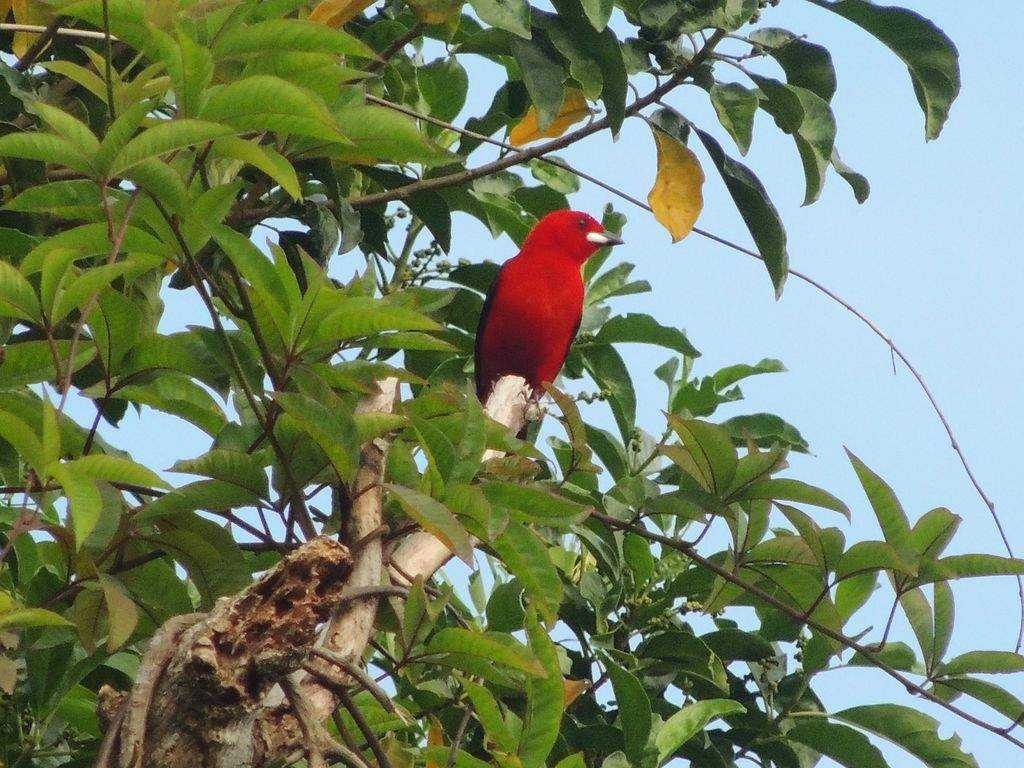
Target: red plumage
533, 309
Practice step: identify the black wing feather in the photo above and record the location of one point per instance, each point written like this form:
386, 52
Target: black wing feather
481, 324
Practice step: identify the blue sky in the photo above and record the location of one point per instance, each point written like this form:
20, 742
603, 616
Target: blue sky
932, 257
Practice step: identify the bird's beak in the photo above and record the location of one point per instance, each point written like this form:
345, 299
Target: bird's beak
604, 238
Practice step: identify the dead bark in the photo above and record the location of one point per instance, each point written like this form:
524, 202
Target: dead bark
217, 698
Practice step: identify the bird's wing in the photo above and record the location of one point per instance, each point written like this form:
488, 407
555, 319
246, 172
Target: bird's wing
484, 314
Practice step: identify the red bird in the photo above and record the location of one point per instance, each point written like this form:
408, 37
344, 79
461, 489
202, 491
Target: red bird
534, 307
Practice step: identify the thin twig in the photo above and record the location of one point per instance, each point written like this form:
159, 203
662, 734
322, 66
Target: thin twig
117, 240
46, 34
414, 31
360, 676
365, 728
460, 734
107, 65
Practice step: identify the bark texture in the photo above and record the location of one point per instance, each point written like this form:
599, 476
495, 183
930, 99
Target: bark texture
219, 691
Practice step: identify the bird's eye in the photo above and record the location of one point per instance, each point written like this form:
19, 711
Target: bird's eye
582, 223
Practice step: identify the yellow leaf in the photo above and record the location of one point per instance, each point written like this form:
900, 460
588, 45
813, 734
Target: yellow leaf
337, 13
28, 12
573, 109
571, 689
435, 738
676, 196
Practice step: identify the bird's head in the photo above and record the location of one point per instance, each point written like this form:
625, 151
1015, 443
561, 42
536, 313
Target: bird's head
570, 233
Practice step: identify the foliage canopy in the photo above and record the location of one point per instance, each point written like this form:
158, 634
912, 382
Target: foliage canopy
148, 146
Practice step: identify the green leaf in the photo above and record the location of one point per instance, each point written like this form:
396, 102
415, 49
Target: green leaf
207, 551
933, 532
268, 160
910, 729
969, 566
542, 74
582, 59
443, 85
644, 329
604, 46
84, 501
722, 14
689, 721
114, 469
263, 102
786, 489
534, 504
511, 15
634, 710
766, 430
161, 180
858, 182
921, 619
984, 662
488, 712
190, 66
897, 655
869, 556
891, 517
75, 199
755, 207
734, 644
45, 148
598, 12
234, 467
554, 176
930, 56
122, 615
30, 362
332, 429
809, 120
990, 694
435, 518
178, 395
417, 617
736, 107
388, 135
945, 618
17, 298
806, 64
545, 699
609, 371
27, 618
79, 290
288, 35
203, 494
164, 137
491, 647
712, 453
848, 747
68, 127
525, 556
354, 317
